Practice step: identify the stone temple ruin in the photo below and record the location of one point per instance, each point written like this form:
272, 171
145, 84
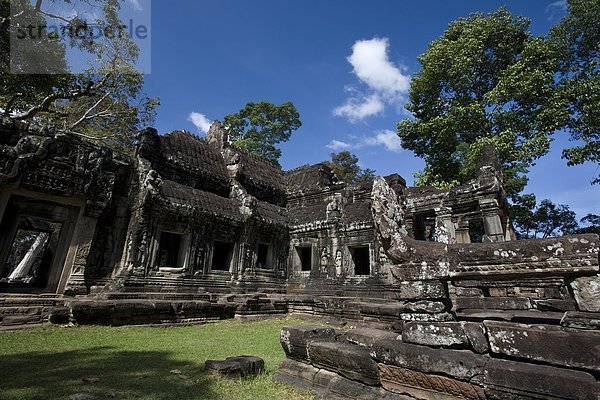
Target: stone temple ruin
188, 230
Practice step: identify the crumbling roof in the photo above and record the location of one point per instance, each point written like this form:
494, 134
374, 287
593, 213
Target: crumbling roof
261, 178
310, 178
193, 153
271, 213
185, 197
311, 211
357, 211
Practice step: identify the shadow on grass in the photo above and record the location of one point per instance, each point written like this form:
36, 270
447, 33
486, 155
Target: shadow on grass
119, 375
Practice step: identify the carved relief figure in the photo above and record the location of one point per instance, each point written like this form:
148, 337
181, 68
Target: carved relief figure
324, 259
338, 262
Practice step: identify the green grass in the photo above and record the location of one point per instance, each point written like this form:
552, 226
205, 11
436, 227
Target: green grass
135, 362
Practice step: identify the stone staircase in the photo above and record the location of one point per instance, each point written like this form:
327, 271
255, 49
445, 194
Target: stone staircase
26, 310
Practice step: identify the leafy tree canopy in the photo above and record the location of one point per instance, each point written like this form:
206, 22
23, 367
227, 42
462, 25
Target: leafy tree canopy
545, 220
345, 165
259, 127
485, 80
592, 222
104, 102
577, 38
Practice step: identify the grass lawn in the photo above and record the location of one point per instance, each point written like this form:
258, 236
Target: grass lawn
140, 362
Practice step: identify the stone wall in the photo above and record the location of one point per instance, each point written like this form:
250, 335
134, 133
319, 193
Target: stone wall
444, 360
505, 320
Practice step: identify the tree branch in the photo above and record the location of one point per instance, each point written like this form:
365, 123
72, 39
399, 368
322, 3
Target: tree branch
86, 115
45, 105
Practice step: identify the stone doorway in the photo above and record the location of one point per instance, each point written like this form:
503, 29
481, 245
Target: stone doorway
34, 241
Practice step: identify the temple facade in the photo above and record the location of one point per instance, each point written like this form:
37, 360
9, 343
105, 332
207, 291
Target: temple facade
190, 230
188, 214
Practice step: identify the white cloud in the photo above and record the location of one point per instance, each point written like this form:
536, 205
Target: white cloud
373, 67
200, 120
337, 145
356, 109
386, 138
562, 4
385, 83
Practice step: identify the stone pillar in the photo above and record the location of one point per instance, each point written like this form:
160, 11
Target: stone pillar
444, 228
462, 231
492, 224
82, 244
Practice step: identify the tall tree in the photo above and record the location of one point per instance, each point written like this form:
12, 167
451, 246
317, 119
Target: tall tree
545, 220
104, 102
578, 39
259, 127
592, 222
345, 165
485, 80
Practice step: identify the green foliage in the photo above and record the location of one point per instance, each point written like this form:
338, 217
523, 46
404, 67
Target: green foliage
547, 220
105, 101
578, 39
141, 362
593, 224
485, 80
345, 165
258, 127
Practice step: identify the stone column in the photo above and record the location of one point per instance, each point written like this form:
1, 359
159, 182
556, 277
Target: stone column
492, 224
444, 228
462, 231
82, 244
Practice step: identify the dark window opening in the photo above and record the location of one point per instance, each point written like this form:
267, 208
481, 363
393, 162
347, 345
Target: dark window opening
30, 258
423, 227
222, 254
361, 260
476, 230
305, 256
170, 249
263, 256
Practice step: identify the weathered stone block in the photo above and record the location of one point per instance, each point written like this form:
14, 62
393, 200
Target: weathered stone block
458, 291
580, 320
512, 380
295, 339
366, 337
441, 317
587, 293
554, 305
296, 373
335, 387
522, 316
60, 315
13, 320
385, 310
549, 344
426, 386
461, 364
477, 338
498, 292
91, 312
351, 361
556, 256
425, 306
438, 334
236, 367
414, 290
496, 303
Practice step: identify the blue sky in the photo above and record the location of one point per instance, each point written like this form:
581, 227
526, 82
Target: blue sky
345, 64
